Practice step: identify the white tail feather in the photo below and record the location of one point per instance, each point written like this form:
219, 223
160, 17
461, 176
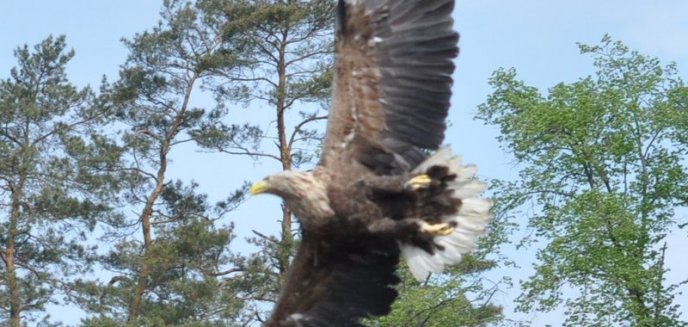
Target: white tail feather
474, 206
465, 172
473, 216
467, 189
420, 263
439, 158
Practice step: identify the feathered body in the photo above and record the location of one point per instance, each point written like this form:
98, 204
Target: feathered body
383, 188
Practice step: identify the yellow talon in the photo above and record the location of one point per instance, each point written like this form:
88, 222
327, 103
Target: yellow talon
441, 229
418, 182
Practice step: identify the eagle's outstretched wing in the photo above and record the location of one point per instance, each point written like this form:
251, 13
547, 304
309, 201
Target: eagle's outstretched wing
392, 80
392, 90
336, 282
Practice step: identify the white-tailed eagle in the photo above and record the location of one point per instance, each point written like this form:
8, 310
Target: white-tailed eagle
383, 188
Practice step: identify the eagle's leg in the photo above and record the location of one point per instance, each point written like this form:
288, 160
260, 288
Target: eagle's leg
434, 180
436, 229
397, 228
426, 185
396, 184
418, 182
393, 184
413, 231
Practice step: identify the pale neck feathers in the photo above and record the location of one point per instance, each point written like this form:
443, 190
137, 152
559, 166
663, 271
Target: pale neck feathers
306, 196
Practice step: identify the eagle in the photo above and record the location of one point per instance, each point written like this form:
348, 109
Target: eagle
384, 187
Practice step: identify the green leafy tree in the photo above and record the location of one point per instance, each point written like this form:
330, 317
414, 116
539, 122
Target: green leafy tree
170, 264
454, 298
603, 163
56, 181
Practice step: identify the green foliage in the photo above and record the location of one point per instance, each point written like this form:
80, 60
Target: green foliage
55, 180
443, 300
602, 163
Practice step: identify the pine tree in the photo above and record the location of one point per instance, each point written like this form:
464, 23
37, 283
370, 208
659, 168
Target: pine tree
285, 49
55, 170
170, 264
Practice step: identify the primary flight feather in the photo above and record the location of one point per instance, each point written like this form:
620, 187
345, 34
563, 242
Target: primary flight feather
383, 188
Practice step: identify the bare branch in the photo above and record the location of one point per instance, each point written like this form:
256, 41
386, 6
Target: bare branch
299, 127
246, 152
265, 237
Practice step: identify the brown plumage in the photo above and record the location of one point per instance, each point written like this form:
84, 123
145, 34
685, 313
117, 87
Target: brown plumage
377, 193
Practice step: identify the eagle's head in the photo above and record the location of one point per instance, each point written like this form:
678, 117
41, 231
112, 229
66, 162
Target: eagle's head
302, 193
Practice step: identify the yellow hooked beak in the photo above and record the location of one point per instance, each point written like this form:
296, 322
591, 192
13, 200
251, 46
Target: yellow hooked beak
258, 187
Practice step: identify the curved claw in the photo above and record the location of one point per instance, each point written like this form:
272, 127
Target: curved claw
418, 182
441, 229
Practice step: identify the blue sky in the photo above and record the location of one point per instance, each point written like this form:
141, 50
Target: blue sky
537, 37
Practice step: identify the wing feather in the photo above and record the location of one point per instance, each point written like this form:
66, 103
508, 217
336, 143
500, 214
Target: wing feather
337, 280
394, 65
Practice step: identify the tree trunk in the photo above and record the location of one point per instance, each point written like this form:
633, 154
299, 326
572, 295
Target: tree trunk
146, 214
9, 255
285, 156
10, 273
